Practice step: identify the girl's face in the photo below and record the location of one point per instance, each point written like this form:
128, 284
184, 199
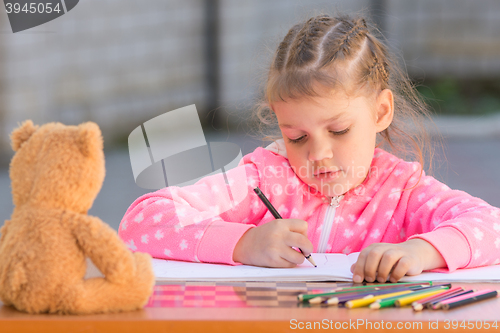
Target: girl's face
330, 140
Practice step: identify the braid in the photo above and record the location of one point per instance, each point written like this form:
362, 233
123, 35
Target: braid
300, 48
284, 47
357, 30
340, 47
303, 49
350, 34
378, 69
383, 70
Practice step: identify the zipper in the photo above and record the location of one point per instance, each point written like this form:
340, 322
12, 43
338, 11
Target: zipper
328, 222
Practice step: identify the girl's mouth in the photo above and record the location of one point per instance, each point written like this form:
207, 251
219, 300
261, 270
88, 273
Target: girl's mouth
328, 175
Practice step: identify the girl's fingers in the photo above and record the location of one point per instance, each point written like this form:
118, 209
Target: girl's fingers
372, 263
292, 256
274, 258
283, 263
379, 261
400, 269
389, 259
359, 267
296, 225
294, 239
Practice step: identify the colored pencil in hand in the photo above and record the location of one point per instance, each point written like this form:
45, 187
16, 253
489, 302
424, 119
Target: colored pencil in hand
277, 216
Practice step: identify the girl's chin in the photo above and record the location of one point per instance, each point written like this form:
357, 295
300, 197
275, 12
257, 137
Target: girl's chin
330, 189
333, 193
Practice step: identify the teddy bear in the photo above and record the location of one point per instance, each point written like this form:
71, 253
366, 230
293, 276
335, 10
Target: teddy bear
56, 173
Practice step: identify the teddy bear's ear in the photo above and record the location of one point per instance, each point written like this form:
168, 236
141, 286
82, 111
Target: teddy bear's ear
21, 134
90, 138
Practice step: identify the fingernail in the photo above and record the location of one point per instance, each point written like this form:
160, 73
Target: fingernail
357, 279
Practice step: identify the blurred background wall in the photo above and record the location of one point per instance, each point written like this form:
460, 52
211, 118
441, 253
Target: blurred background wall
122, 62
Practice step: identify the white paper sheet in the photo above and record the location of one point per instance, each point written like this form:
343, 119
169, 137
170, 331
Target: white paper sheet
331, 267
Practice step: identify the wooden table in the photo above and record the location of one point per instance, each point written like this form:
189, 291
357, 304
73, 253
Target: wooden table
265, 319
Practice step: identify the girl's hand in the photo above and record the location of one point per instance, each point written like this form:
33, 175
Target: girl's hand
270, 245
378, 260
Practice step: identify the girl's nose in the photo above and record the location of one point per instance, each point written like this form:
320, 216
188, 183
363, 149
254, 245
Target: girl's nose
319, 151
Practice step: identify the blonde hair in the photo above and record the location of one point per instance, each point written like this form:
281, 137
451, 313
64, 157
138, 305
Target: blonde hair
346, 53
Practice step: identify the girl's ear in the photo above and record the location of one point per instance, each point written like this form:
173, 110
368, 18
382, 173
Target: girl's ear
384, 110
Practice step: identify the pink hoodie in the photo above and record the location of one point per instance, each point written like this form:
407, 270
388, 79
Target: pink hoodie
199, 222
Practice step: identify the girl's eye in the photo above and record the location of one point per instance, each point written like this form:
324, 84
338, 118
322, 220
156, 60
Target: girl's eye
297, 140
341, 132
333, 132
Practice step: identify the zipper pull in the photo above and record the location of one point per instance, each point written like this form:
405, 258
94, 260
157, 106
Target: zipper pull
335, 201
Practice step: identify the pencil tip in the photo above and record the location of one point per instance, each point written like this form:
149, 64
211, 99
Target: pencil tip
418, 307
311, 260
315, 300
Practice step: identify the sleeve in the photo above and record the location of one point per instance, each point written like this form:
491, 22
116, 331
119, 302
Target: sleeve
201, 222
464, 229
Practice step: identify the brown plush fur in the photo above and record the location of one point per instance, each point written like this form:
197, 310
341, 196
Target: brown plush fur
56, 174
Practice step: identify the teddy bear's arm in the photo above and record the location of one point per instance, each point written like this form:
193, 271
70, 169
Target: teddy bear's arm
103, 246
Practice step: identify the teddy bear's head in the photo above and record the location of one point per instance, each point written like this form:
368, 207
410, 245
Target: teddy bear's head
57, 166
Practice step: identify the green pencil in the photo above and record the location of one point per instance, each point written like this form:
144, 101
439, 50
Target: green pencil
356, 295
335, 292
390, 301
377, 285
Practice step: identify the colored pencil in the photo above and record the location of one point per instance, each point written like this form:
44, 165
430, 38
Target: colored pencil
422, 303
277, 216
443, 294
385, 303
383, 285
468, 299
356, 303
347, 297
435, 305
418, 295
306, 297
390, 301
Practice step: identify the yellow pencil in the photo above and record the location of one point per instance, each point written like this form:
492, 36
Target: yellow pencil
412, 298
356, 303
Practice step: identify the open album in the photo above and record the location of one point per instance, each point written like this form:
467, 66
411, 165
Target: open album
331, 267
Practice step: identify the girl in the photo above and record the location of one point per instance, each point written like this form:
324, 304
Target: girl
334, 92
